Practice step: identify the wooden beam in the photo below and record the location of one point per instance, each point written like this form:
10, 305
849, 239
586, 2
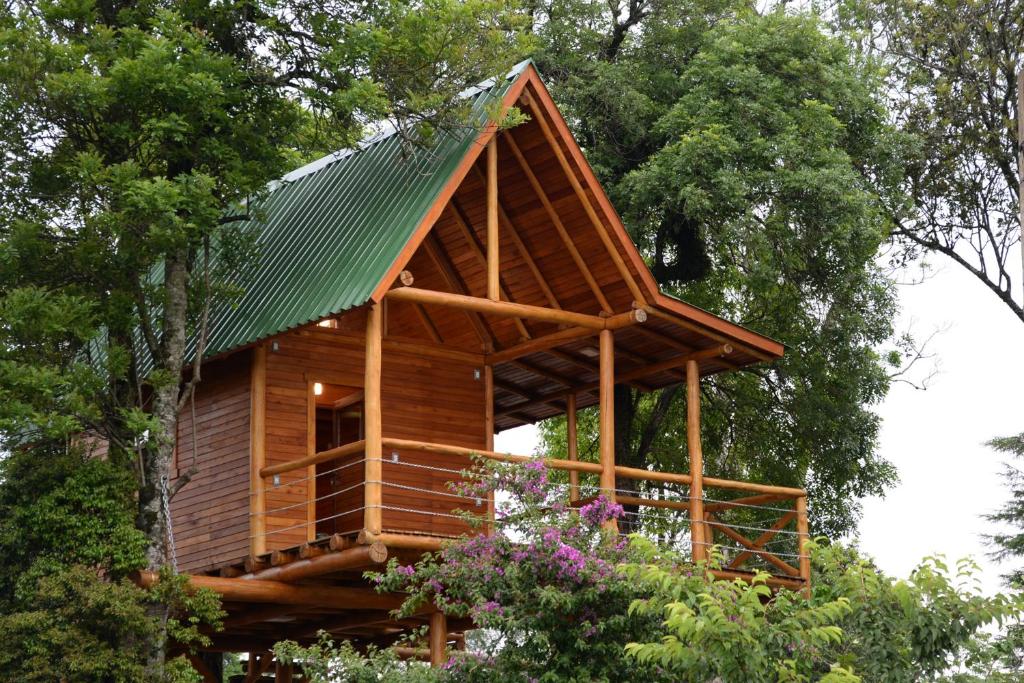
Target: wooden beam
607, 420
438, 639
514, 310
539, 344
457, 285
257, 450
693, 446
428, 447
642, 372
322, 456
523, 249
358, 557
372, 425
201, 668
428, 324
761, 540
746, 501
493, 256
581, 194
281, 593
469, 235
572, 446
570, 246
749, 545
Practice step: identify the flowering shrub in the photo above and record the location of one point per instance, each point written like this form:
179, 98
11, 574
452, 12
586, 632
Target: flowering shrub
559, 599
546, 590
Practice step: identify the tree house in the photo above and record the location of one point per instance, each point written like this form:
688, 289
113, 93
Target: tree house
408, 305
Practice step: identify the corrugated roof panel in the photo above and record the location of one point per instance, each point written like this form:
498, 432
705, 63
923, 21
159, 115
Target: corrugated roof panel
333, 229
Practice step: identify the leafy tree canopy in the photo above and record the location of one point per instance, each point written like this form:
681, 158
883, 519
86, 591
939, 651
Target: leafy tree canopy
751, 157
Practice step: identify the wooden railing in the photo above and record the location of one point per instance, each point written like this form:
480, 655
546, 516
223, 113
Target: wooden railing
788, 573
706, 517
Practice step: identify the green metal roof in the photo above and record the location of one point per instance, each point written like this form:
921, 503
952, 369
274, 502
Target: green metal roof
331, 230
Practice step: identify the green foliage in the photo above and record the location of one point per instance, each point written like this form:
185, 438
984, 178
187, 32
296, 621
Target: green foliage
913, 629
734, 629
133, 137
328, 662
751, 157
68, 542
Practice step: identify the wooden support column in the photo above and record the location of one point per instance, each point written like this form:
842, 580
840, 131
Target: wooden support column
489, 434
438, 638
801, 544
697, 535
283, 673
493, 260
372, 496
310, 453
257, 451
607, 427
572, 447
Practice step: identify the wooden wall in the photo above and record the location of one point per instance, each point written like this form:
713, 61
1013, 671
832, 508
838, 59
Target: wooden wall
210, 515
426, 399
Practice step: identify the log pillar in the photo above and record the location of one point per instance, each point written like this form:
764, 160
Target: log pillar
257, 451
572, 446
801, 544
438, 638
607, 426
493, 259
489, 434
372, 426
697, 528
283, 673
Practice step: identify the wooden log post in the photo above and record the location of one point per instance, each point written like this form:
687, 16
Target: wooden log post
438, 638
697, 535
607, 424
801, 544
257, 451
372, 488
572, 446
493, 257
489, 434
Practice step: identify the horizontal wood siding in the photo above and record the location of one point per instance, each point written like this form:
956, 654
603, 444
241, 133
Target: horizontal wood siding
210, 514
427, 399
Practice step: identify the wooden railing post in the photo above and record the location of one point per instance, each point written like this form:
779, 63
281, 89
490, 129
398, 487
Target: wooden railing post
373, 472
607, 427
257, 451
489, 434
438, 637
572, 447
801, 543
697, 535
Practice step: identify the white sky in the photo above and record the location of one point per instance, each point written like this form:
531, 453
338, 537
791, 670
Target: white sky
936, 437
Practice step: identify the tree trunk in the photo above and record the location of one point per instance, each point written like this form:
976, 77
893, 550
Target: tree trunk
157, 456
